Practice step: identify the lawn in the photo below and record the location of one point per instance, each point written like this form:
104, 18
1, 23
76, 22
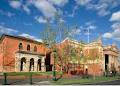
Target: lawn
84, 80
33, 73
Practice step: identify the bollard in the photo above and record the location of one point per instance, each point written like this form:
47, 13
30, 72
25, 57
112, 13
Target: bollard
5, 78
30, 77
54, 76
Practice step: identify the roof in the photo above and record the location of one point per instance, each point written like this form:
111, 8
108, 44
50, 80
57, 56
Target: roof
19, 37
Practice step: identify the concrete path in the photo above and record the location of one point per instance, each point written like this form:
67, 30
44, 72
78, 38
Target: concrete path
43, 83
115, 82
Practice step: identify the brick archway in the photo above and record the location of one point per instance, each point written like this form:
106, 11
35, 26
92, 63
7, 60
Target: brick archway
31, 67
39, 65
23, 64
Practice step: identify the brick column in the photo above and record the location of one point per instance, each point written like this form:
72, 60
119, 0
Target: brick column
27, 65
17, 64
35, 64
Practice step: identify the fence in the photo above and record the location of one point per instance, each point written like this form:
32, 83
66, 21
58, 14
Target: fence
25, 77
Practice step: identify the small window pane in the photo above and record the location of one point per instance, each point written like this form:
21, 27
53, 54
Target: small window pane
28, 47
20, 46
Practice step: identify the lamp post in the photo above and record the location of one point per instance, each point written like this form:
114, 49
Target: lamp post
54, 68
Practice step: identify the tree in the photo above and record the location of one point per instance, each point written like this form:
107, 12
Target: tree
53, 34
92, 55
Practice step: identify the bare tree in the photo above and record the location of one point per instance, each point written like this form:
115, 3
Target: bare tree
93, 55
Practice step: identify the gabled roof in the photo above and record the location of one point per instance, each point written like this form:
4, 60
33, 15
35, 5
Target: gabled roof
19, 37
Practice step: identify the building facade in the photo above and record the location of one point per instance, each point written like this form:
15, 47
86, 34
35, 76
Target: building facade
93, 58
20, 54
23, 54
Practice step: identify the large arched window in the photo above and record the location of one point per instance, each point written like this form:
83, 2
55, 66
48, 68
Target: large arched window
35, 48
20, 46
28, 47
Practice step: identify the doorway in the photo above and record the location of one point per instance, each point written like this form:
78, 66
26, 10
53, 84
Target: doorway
106, 61
48, 62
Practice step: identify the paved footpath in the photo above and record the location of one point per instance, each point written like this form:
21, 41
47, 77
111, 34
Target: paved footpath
43, 83
116, 82
40, 81
36, 81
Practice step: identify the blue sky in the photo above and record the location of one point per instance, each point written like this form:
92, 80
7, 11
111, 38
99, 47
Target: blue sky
27, 17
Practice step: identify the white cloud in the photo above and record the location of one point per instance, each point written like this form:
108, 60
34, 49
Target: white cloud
20, 5
107, 35
116, 25
73, 11
103, 12
82, 2
28, 24
47, 9
102, 7
61, 20
58, 2
15, 4
90, 25
115, 34
40, 19
7, 30
75, 31
30, 36
26, 9
115, 16
9, 14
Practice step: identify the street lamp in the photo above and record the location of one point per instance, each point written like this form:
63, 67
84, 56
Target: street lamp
54, 68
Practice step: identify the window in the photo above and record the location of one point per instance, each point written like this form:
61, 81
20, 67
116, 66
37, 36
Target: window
20, 46
35, 49
28, 47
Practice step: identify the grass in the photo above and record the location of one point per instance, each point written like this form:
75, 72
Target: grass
65, 81
84, 80
33, 73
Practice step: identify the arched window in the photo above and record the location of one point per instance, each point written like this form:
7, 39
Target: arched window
28, 47
35, 48
20, 46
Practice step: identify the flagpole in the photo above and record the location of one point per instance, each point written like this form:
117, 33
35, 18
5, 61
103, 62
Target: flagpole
88, 35
88, 40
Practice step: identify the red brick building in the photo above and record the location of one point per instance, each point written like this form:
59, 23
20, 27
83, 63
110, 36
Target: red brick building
23, 54
93, 58
20, 54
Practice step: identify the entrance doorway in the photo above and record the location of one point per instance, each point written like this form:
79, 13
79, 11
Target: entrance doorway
31, 68
106, 61
47, 62
23, 64
39, 65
